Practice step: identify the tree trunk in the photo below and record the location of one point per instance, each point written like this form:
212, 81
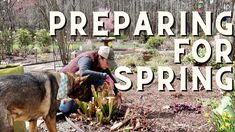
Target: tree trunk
63, 47
233, 42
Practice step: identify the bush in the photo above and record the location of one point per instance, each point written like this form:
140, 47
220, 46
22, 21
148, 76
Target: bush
155, 42
133, 60
6, 41
42, 38
143, 37
23, 38
188, 59
157, 60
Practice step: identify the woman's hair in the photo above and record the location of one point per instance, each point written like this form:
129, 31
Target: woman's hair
101, 57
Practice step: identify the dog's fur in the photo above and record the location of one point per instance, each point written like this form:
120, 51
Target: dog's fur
30, 96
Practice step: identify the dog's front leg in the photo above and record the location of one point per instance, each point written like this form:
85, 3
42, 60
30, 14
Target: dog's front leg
33, 126
6, 121
51, 123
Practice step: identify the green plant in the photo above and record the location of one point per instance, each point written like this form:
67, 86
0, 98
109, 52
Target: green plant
213, 63
151, 51
223, 116
103, 105
223, 122
143, 37
74, 46
23, 38
6, 41
210, 103
188, 59
43, 57
157, 60
155, 42
133, 60
42, 38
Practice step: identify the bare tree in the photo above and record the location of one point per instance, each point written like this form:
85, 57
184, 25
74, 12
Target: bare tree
233, 42
44, 8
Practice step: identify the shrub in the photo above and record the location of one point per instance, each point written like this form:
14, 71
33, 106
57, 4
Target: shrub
43, 57
188, 59
42, 38
143, 37
23, 38
133, 60
210, 103
151, 51
6, 41
157, 60
155, 42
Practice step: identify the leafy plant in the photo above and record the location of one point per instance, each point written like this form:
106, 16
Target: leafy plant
133, 60
6, 41
43, 57
42, 38
188, 59
151, 51
23, 38
155, 42
103, 105
143, 37
223, 117
157, 60
211, 103
223, 122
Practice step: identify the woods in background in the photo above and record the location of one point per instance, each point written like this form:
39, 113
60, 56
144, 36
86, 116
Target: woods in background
34, 14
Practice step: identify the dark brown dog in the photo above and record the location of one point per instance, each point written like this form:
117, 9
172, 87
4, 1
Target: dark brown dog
32, 95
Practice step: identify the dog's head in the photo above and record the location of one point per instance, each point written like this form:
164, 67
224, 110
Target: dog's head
74, 83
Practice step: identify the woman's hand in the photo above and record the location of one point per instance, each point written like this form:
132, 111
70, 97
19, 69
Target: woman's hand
110, 81
119, 100
65, 101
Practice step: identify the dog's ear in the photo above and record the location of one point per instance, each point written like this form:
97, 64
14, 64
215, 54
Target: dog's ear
77, 74
80, 80
84, 78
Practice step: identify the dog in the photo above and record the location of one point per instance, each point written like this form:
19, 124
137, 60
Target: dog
32, 95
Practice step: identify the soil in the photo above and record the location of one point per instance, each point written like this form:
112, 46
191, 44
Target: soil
155, 106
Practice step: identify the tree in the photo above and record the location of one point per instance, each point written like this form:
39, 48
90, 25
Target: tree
54, 5
233, 39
